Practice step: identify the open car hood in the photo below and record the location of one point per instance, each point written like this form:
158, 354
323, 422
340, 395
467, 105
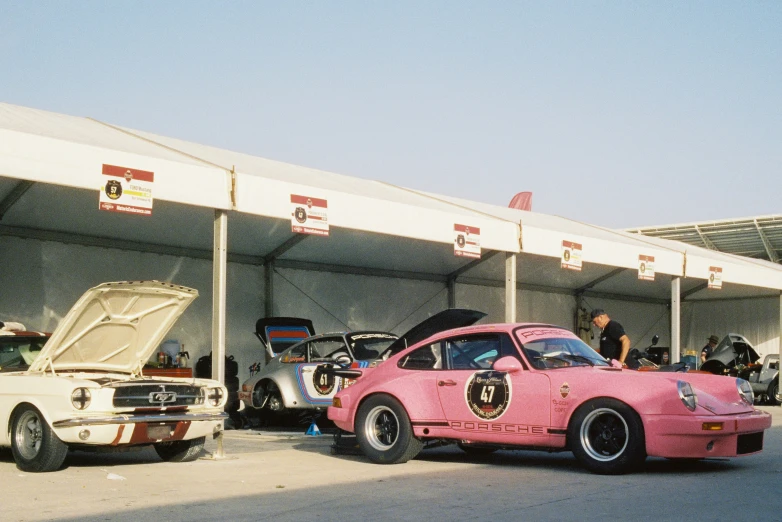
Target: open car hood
439, 322
734, 346
114, 327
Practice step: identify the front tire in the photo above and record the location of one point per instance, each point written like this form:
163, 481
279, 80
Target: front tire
384, 432
607, 437
773, 393
34, 445
180, 450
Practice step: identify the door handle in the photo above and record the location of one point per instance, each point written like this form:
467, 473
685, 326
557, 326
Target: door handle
446, 383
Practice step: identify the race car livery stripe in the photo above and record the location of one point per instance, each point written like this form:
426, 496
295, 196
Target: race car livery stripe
427, 423
303, 388
555, 431
286, 333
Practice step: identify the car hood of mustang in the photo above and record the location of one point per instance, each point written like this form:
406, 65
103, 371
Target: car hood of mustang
114, 327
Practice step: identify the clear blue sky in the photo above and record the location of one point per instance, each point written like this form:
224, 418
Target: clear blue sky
614, 113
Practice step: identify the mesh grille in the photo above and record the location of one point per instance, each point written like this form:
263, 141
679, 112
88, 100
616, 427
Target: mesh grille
146, 395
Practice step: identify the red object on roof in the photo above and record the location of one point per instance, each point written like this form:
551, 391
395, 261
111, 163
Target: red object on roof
521, 201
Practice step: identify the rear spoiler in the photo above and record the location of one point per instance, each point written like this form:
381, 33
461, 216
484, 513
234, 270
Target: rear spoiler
278, 333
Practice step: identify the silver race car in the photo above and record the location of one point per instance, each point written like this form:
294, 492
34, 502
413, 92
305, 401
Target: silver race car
289, 381
292, 382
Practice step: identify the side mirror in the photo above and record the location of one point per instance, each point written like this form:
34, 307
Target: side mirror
507, 364
655, 339
343, 360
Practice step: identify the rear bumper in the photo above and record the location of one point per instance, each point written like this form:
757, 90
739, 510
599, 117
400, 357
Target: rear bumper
677, 436
341, 418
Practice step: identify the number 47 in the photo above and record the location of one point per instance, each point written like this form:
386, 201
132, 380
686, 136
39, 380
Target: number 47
487, 393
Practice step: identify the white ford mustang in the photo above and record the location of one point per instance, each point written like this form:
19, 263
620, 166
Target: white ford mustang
86, 388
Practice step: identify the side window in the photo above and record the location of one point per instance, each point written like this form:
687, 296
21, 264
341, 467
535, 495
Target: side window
424, 358
473, 352
296, 354
326, 349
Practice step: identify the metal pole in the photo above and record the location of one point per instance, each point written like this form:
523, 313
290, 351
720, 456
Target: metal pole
269, 273
219, 269
219, 265
676, 288
510, 287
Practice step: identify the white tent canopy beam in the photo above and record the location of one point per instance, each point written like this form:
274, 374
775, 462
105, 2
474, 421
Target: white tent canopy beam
121, 244
13, 196
599, 280
772, 255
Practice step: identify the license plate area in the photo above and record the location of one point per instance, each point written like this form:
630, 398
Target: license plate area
160, 431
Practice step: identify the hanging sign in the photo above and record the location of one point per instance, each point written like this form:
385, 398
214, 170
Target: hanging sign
467, 241
126, 190
309, 215
715, 277
571, 255
646, 268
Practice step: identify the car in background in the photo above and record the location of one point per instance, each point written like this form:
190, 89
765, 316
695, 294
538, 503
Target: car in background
18, 346
735, 356
292, 381
289, 381
85, 389
540, 387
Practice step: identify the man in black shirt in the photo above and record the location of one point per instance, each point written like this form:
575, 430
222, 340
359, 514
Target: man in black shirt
614, 343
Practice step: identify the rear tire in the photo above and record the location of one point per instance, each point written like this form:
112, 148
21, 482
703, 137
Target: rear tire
34, 445
180, 450
607, 437
384, 432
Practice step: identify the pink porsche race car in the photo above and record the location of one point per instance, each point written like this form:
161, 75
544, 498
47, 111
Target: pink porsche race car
539, 387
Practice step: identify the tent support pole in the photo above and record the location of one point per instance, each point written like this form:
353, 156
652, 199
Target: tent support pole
268, 269
510, 287
676, 289
219, 266
779, 348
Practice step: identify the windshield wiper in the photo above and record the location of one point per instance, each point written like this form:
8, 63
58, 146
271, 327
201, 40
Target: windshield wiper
578, 358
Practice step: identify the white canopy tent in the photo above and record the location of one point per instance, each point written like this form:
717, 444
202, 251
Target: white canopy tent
228, 207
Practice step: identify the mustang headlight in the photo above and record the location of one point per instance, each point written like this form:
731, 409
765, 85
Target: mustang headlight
214, 396
687, 395
81, 398
745, 391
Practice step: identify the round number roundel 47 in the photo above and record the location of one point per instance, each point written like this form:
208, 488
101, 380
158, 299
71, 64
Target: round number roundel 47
488, 394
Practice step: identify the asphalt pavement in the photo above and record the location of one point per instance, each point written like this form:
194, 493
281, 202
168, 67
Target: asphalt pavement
286, 475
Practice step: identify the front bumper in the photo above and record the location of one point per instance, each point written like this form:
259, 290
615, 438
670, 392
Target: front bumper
341, 418
678, 436
129, 430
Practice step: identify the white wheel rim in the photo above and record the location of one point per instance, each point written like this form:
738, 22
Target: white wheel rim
29, 435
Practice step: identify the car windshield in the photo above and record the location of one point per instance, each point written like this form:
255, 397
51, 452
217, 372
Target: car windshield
17, 353
367, 346
561, 352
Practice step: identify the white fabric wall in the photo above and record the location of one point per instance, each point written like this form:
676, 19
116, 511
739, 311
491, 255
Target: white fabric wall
41, 280
340, 302
531, 306
756, 319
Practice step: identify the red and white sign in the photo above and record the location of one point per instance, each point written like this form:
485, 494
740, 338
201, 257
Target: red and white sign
646, 268
309, 215
571, 255
126, 190
715, 277
467, 241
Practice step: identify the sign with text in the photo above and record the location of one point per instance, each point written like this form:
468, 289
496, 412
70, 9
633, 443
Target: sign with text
571, 255
715, 277
309, 215
467, 241
646, 268
126, 190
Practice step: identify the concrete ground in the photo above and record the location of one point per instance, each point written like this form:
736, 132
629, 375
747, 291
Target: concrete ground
284, 476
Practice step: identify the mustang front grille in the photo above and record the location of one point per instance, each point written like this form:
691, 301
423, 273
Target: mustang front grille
158, 395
